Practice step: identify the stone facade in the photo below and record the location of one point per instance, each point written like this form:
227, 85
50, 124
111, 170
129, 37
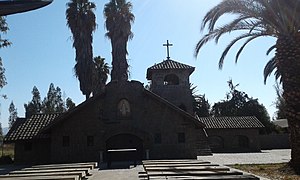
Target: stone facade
158, 122
170, 80
233, 134
234, 140
150, 125
125, 116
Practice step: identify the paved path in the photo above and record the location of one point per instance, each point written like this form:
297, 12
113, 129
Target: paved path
127, 172
265, 157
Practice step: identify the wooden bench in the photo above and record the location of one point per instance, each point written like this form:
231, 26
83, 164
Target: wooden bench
111, 152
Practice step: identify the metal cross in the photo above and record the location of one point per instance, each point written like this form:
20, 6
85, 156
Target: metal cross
168, 50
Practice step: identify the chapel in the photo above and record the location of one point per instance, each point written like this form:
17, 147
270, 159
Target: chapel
157, 121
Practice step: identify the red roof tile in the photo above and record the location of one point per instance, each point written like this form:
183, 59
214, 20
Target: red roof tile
168, 64
25, 129
231, 122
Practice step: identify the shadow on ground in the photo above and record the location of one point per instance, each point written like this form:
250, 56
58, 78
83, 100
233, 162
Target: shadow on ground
118, 165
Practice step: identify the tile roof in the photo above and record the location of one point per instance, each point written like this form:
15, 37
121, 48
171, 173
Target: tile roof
245, 122
26, 129
168, 64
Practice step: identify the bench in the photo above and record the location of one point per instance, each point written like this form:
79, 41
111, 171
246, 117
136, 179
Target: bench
112, 152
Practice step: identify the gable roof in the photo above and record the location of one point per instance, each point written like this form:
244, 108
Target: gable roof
30, 128
168, 64
147, 92
174, 107
38, 125
246, 122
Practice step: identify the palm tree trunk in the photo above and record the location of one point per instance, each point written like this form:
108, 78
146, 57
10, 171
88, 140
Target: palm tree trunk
119, 61
288, 63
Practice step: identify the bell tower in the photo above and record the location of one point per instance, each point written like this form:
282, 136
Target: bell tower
170, 80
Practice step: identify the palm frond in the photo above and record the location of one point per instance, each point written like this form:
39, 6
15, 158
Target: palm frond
254, 36
228, 47
269, 68
270, 49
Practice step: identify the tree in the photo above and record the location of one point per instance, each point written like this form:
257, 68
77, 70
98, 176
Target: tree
3, 43
35, 105
53, 103
261, 18
118, 24
82, 22
3, 29
200, 105
101, 74
238, 103
13, 114
279, 103
69, 104
1, 133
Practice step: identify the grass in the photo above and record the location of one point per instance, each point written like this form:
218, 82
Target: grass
271, 171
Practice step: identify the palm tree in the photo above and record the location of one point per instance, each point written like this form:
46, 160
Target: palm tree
101, 74
82, 22
260, 18
118, 24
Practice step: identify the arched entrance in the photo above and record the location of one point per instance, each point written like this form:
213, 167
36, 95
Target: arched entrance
125, 141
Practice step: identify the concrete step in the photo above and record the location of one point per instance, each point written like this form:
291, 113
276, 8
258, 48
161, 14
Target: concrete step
229, 177
94, 164
192, 173
180, 165
192, 168
70, 166
80, 174
17, 177
85, 170
175, 162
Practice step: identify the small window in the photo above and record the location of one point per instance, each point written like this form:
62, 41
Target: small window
27, 146
171, 79
181, 138
66, 141
90, 140
157, 138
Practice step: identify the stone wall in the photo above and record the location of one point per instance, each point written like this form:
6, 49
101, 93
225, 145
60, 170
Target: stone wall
274, 141
148, 119
32, 152
234, 140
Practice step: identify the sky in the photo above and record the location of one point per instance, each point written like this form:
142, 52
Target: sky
42, 52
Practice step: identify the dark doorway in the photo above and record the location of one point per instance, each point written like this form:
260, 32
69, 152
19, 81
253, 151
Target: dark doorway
125, 141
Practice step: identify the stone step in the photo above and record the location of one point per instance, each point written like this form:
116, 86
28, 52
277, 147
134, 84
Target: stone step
85, 170
192, 173
175, 162
93, 164
192, 168
228, 177
180, 165
79, 174
70, 166
18, 177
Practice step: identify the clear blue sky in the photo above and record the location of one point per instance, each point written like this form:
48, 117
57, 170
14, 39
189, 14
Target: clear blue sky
42, 52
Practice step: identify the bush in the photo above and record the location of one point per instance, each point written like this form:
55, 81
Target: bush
6, 160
